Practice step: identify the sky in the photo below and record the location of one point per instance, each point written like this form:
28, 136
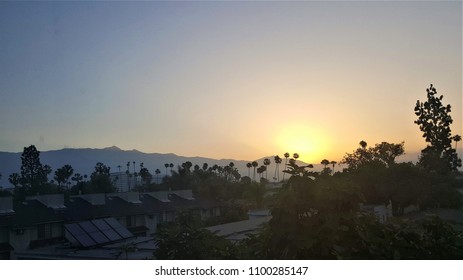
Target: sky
238, 80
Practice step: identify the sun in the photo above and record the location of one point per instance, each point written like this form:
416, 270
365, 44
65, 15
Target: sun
307, 140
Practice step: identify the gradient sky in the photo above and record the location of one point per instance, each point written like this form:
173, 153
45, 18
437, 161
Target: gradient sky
238, 80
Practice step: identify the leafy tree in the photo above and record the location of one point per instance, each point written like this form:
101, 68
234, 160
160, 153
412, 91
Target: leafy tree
321, 219
100, 181
15, 179
63, 174
33, 173
146, 176
185, 239
383, 153
326, 170
434, 121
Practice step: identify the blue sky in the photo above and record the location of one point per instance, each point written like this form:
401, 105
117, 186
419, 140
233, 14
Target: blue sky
226, 80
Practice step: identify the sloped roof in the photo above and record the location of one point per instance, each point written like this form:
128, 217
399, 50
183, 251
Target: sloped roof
34, 212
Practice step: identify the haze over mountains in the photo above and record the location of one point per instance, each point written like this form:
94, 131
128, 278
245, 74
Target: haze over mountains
83, 161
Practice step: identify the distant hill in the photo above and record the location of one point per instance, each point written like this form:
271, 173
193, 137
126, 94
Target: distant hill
83, 161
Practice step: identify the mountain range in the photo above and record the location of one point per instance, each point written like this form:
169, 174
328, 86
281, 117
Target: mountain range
83, 161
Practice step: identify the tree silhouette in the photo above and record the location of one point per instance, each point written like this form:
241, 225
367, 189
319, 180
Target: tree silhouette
266, 163
254, 164
456, 138
33, 173
100, 181
333, 163
383, 154
278, 161
249, 165
63, 174
171, 165
166, 166
286, 163
434, 121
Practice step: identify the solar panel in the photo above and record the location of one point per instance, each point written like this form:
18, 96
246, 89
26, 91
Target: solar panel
101, 224
122, 231
97, 232
106, 230
94, 233
80, 235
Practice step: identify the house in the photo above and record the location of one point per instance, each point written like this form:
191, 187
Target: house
6, 220
43, 225
38, 221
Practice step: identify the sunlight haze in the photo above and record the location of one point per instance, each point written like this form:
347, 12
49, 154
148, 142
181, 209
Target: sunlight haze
238, 80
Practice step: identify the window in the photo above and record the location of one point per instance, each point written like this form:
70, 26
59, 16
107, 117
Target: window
44, 231
131, 221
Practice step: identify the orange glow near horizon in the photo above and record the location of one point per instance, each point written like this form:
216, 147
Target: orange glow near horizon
308, 141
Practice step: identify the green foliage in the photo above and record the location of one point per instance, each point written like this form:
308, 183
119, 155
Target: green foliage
434, 121
321, 219
383, 153
33, 173
185, 239
63, 174
100, 181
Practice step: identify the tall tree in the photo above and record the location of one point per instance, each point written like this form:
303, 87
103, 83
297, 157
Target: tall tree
100, 181
249, 165
333, 163
146, 176
33, 173
434, 121
63, 174
278, 161
266, 163
166, 166
382, 154
456, 138
254, 164
286, 163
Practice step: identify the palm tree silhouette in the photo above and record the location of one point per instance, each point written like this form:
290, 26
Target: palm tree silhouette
254, 164
277, 167
325, 163
363, 144
171, 165
266, 163
166, 165
249, 165
333, 163
286, 163
456, 138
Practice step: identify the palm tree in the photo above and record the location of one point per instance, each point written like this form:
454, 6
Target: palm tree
157, 171
295, 156
286, 163
171, 165
266, 163
363, 144
333, 163
166, 166
277, 167
325, 163
254, 164
261, 170
456, 138
249, 165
